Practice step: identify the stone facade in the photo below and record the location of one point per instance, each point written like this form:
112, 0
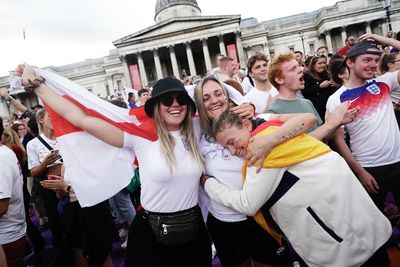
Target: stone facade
184, 40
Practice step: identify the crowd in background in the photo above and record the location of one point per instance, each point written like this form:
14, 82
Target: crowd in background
84, 236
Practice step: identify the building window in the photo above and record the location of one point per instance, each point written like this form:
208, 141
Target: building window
90, 89
272, 53
291, 48
312, 48
119, 84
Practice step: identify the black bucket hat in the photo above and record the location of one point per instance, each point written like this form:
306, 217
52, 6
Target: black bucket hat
165, 86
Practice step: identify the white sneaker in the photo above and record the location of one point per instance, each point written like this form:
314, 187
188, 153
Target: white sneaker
123, 233
125, 244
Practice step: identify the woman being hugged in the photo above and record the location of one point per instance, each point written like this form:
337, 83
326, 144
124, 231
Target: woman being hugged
169, 231
239, 241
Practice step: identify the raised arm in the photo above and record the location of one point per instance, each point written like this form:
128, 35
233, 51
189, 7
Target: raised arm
99, 128
333, 120
294, 125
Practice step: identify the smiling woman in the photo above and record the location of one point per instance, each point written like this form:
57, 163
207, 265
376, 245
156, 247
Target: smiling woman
318, 84
170, 168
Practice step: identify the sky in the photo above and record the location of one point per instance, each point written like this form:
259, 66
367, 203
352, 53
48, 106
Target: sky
59, 32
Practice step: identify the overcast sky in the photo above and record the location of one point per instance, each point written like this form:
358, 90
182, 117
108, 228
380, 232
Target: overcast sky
60, 32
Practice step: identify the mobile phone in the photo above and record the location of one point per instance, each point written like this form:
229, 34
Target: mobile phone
55, 152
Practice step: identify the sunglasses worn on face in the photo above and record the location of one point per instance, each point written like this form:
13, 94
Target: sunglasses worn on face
168, 100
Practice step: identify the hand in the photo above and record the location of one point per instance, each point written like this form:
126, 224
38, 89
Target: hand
350, 115
377, 38
258, 149
369, 182
55, 183
340, 115
50, 158
326, 84
54, 177
4, 92
244, 111
29, 79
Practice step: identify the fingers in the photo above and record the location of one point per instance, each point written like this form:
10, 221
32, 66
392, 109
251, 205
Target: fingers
252, 159
54, 177
259, 166
375, 185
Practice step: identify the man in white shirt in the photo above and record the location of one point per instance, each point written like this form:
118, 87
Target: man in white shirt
216, 70
263, 92
374, 136
227, 69
12, 213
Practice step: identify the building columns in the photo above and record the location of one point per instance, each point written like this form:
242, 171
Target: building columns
368, 27
266, 50
239, 48
206, 54
174, 62
142, 70
344, 35
110, 84
222, 48
127, 75
192, 68
158, 64
328, 41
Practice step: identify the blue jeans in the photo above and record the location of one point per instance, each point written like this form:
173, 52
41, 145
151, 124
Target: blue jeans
123, 207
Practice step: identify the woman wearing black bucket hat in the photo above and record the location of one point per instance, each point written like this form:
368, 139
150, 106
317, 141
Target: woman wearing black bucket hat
169, 231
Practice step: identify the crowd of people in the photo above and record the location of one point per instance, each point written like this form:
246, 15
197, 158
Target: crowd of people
287, 162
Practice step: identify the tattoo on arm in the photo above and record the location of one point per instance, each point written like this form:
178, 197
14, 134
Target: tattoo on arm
293, 133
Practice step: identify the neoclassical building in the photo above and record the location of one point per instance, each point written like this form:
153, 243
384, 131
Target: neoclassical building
183, 39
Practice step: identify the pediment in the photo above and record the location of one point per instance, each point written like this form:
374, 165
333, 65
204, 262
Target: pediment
177, 26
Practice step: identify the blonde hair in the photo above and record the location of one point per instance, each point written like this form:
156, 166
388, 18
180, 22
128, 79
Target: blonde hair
206, 122
40, 115
11, 138
167, 142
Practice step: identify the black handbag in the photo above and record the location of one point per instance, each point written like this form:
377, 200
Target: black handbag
175, 228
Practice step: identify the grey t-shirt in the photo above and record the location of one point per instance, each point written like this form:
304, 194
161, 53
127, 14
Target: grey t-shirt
299, 105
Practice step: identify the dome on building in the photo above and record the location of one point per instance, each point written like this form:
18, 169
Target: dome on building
166, 9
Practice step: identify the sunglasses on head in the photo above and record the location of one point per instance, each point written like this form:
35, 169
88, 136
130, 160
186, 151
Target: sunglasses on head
168, 99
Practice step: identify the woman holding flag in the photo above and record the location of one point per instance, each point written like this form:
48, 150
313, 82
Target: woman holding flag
169, 231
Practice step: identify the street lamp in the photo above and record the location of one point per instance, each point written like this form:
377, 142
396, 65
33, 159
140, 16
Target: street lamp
302, 41
386, 5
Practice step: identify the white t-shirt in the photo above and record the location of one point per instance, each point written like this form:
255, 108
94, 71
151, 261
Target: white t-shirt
246, 85
260, 98
227, 169
37, 152
161, 190
374, 134
12, 223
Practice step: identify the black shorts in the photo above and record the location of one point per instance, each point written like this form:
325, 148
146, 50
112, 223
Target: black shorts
91, 229
238, 241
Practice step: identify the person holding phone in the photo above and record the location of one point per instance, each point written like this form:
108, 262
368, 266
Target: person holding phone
43, 162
